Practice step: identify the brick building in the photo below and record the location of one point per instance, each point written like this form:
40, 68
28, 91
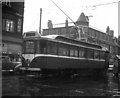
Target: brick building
82, 31
12, 28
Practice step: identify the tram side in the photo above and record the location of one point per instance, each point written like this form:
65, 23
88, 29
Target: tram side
46, 55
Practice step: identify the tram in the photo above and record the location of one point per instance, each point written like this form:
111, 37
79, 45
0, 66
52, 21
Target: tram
54, 53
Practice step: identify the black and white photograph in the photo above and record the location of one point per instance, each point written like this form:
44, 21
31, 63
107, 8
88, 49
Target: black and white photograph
60, 48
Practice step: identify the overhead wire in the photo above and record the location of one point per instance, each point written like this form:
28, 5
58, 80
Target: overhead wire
102, 4
62, 10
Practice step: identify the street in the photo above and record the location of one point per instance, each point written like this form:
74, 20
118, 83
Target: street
30, 85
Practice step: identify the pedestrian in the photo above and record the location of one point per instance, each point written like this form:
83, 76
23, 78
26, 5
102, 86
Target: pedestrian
116, 67
118, 63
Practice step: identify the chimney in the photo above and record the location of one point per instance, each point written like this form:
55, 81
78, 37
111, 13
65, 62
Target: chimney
66, 23
50, 25
108, 30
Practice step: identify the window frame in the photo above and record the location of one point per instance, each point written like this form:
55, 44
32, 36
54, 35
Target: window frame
8, 25
49, 50
64, 48
72, 50
83, 50
98, 56
33, 49
90, 55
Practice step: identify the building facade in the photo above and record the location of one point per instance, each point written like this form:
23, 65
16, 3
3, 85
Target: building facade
82, 31
12, 28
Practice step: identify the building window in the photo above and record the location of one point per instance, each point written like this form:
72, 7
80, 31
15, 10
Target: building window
9, 26
19, 26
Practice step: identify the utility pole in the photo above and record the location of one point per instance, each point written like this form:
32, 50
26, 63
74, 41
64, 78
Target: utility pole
118, 19
40, 20
119, 28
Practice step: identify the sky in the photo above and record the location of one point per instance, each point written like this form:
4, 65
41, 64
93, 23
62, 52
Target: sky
103, 14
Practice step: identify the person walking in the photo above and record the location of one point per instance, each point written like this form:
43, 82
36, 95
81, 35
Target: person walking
118, 57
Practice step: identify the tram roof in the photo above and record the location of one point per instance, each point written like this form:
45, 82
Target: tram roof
50, 36
66, 39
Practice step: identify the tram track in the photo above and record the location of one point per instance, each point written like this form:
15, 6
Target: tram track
55, 86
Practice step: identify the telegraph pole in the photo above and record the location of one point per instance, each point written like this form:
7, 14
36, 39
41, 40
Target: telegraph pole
118, 19
119, 28
40, 20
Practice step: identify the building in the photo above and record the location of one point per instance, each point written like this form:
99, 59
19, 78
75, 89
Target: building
12, 28
82, 31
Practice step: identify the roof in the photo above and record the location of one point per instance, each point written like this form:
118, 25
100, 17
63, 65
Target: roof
82, 18
66, 39
50, 36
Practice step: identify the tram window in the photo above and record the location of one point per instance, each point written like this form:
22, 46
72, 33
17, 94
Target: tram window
51, 48
76, 52
96, 54
102, 55
73, 51
30, 47
82, 52
43, 47
90, 53
63, 50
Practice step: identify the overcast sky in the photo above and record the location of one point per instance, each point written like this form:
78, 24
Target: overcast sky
103, 15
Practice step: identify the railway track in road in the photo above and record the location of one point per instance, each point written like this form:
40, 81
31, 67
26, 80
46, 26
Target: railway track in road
36, 85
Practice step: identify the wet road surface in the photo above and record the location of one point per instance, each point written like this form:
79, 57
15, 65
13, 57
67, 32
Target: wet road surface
30, 85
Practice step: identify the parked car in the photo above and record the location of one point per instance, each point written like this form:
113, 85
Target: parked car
8, 65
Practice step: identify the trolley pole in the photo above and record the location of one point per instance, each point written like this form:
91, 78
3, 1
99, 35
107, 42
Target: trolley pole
40, 20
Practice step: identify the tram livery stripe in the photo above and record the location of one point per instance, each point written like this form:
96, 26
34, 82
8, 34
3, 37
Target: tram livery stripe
58, 56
